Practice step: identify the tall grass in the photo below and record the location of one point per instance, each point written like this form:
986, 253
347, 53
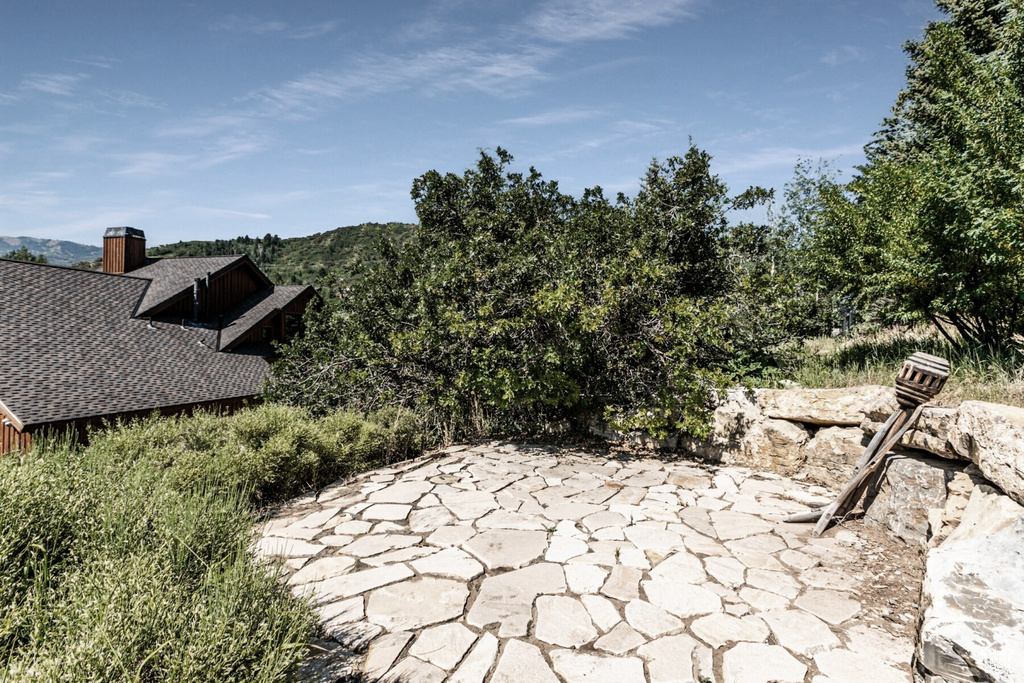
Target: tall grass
128, 560
979, 374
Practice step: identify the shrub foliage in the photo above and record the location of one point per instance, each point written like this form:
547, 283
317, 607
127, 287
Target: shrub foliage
516, 306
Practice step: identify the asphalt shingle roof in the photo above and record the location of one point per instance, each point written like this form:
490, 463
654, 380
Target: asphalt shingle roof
69, 349
174, 276
255, 308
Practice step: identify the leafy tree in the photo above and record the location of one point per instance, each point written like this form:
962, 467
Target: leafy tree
933, 226
515, 306
23, 254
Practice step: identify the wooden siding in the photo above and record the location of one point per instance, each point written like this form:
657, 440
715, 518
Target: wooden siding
80, 428
13, 440
276, 321
123, 254
227, 290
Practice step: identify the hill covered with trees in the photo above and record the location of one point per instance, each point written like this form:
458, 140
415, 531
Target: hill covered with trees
298, 260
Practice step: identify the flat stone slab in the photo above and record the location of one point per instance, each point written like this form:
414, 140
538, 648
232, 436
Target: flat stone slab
416, 603
623, 583
443, 646
478, 663
387, 511
620, 640
513, 564
402, 492
355, 583
683, 600
719, 629
576, 667
521, 662
800, 632
450, 562
670, 659
507, 599
650, 620
563, 621
507, 548
756, 663
324, 568
831, 606
843, 665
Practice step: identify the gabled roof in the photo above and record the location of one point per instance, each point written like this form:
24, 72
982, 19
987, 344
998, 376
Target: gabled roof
70, 349
256, 308
173, 277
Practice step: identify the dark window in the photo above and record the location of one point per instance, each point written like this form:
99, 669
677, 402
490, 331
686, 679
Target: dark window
265, 334
292, 325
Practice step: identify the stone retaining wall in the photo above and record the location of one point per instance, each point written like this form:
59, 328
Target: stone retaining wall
955, 486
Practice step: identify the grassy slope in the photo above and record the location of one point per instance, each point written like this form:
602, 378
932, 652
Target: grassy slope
976, 375
298, 260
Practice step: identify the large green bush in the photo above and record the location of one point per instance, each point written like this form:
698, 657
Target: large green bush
129, 560
516, 307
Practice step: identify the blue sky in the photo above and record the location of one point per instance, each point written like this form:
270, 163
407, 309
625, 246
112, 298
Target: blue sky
204, 120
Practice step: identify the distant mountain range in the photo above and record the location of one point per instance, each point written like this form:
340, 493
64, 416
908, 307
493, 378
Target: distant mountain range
57, 252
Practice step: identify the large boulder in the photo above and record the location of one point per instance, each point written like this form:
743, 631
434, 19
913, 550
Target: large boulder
774, 445
930, 433
971, 626
732, 420
843, 407
831, 456
904, 490
992, 436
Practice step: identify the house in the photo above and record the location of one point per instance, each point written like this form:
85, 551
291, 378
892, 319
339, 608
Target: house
78, 347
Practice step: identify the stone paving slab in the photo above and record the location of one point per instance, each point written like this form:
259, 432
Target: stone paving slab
506, 563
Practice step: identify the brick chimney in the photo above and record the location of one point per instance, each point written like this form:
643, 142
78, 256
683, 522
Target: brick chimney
124, 250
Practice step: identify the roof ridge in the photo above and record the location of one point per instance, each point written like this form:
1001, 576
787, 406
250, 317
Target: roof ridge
70, 268
185, 258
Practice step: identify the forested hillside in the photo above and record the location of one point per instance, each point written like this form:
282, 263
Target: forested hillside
298, 260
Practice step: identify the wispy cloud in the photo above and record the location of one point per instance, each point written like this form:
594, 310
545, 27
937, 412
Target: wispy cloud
150, 163
260, 27
620, 132
98, 61
499, 73
569, 21
213, 153
800, 76
249, 24
843, 55
230, 213
554, 117
841, 92
312, 30
774, 157
205, 125
52, 84
128, 98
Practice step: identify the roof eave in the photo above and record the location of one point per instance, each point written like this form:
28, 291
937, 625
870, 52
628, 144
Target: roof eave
11, 417
277, 309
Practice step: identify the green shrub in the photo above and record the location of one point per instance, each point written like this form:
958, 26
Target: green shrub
269, 452
516, 307
128, 560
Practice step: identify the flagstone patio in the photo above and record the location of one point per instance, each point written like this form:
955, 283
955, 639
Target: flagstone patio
516, 564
